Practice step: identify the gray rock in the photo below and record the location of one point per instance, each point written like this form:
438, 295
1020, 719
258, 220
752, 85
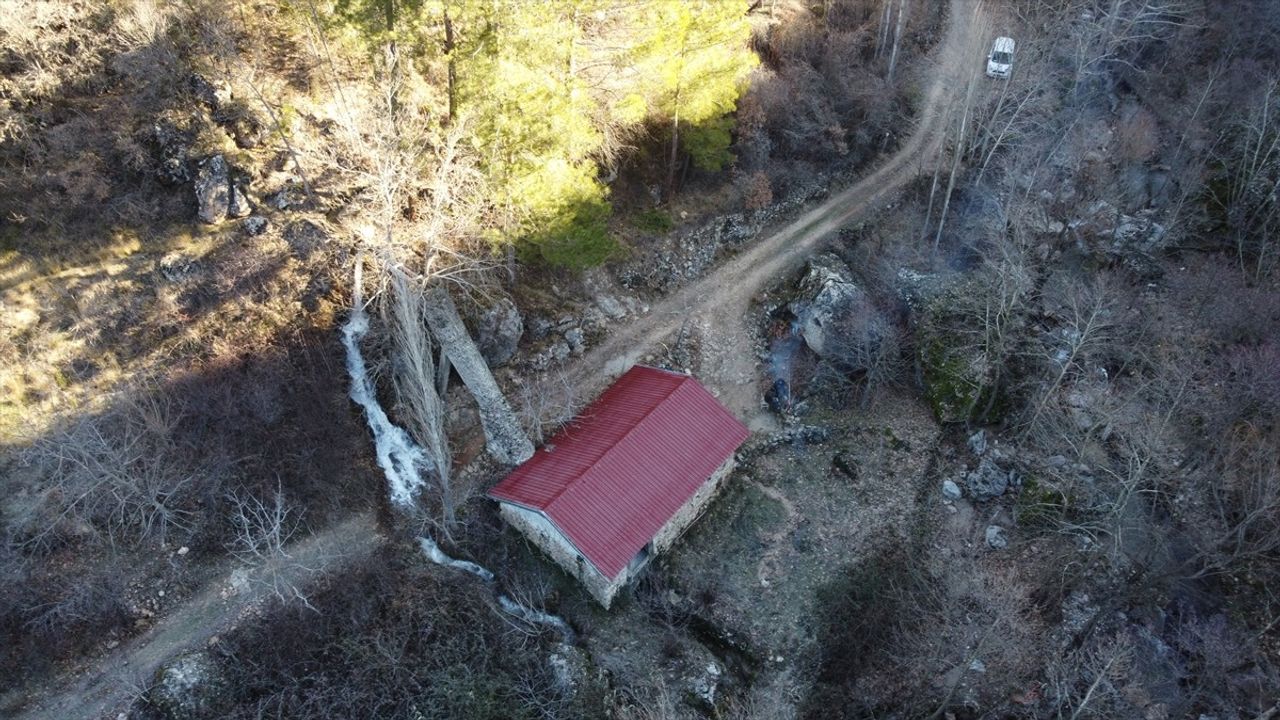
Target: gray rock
281, 199
560, 351
213, 190
978, 442
190, 686
837, 319
977, 666
610, 306
213, 93
238, 206
951, 491
706, 685
996, 537
498, 331
254, 225
988, 481
172, 145
576, 340
178, 266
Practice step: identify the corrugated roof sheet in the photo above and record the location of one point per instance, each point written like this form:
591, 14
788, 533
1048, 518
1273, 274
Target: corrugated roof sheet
616, 474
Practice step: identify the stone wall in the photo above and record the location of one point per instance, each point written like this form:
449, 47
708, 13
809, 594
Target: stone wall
691, 510
542, 533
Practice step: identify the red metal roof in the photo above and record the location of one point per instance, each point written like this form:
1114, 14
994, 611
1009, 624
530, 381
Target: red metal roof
616, 474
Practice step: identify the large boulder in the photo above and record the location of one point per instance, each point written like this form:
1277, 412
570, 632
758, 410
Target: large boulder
958, 377
190, 686
498, 331
837, 319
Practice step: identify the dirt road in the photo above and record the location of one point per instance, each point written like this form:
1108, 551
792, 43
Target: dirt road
117, 677
718, 304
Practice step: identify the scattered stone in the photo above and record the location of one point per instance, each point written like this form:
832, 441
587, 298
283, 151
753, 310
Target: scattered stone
188, 687
184, 550
978, 442
705, 685
576, 340
173, 145
951, 491
988, 481
498, 331
281, 199
254, 225
539, 326
560, 351
977, 666
213, 94
797, 435
178, 266
996, 537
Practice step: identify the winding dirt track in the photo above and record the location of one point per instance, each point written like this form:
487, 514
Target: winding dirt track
717, 304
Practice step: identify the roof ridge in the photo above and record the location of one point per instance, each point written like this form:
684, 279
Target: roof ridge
634, 426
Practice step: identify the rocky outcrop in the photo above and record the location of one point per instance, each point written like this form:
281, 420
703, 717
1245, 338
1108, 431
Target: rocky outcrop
1108, 234
217, 195
498, 331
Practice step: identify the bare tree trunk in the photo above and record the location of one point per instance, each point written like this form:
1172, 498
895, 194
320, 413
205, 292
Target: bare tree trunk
897, 39
675, 149
443, 366
415, 381
449, 47
504, 439
955, 163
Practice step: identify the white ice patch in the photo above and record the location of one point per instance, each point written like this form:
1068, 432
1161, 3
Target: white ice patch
437, 556
511, 607
399, 457
534, 616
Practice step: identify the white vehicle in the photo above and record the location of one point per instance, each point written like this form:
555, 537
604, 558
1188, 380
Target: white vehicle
1000, 61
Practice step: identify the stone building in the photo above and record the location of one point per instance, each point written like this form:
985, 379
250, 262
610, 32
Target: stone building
621, 482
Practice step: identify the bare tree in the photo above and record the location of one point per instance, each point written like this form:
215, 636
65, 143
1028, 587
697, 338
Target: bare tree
546, 402
120, 472
1248, 199
1087, 326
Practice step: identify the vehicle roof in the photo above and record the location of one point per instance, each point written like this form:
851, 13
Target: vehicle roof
1003, 44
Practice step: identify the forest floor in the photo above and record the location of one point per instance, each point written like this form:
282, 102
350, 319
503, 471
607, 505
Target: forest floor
718, 305
718, 308
119, 676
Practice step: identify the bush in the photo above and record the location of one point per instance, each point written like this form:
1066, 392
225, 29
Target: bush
653, 221
393, 638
